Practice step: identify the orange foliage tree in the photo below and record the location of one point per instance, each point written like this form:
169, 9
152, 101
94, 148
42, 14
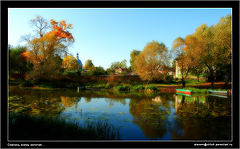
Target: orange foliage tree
45, 51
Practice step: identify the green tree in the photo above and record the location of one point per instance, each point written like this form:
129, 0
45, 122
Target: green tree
122, 64
152, 62
98, 71
88, 65
17, 62
133, 56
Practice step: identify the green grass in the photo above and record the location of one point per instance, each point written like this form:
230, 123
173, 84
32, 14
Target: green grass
23, 127
159, 84
197, 90
99, 86
194, 82
137, 87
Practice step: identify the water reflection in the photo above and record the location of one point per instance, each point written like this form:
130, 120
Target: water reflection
138, 116
151, 115
69, 101
203, 117
202, 106
35, 105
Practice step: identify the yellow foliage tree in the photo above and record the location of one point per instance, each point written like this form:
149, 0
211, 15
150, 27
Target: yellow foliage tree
152, 62
70, 63
186, 54
209, 47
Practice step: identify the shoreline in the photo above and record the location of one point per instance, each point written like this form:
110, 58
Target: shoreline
203, 87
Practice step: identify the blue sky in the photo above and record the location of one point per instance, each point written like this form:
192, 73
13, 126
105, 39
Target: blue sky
109, 35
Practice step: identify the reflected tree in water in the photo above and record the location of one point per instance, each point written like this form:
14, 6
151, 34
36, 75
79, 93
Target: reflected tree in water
151, 115
87, 99
204, 117
69, 101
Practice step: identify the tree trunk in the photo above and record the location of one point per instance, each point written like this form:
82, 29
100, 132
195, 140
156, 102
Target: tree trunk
79, 73
212, 79
198, 78
212, 83
227, 80
183, 99
183, 82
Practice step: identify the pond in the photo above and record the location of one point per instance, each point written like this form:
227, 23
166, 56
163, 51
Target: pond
137, 116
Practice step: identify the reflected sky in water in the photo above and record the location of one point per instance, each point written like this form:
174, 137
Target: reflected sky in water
137, 116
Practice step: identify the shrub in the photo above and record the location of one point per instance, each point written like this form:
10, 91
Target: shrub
96, 71
70, 73
108, 85
122, 88
150, 88
71, 85
169, 79
137, 87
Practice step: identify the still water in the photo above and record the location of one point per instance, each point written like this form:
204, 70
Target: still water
137, 116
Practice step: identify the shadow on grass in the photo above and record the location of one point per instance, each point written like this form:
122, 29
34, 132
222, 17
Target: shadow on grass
25, 127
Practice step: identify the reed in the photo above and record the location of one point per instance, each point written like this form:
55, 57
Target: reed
22, 127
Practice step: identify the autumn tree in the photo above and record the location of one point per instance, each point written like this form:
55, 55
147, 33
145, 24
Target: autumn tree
181, 60
209, 47
151, 63
88, 65
187, 52
70, 63
133, 56
17, 62
208, 57
193, 52
223, 45
45, 51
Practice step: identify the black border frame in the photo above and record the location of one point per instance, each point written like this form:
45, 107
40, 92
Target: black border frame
118, 4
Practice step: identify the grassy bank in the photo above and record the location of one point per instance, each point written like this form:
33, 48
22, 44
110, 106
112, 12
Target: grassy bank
197, 87
204, 90
38, 127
